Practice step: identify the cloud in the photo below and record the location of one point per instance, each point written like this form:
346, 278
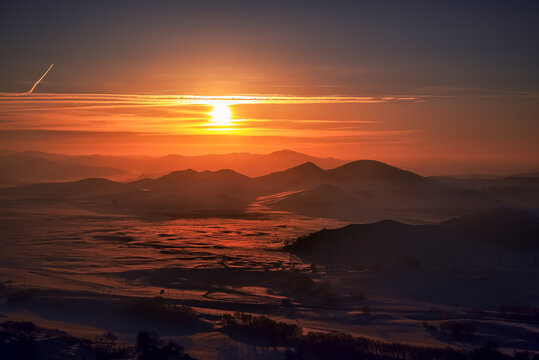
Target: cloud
198, 99
188, 115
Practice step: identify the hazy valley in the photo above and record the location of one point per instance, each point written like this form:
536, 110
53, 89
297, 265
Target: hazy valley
436, 262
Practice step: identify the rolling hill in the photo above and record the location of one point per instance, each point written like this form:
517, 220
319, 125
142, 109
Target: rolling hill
363, 190
468, 238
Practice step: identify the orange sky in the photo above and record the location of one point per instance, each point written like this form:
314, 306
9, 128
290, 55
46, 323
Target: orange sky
434, 87
424, 133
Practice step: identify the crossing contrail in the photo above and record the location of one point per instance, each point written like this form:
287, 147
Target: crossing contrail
41, 78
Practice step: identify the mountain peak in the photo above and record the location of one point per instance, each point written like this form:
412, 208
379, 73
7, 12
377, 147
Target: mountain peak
371, 169
307, 166
190, 174
287, 152
307, 171
180, 172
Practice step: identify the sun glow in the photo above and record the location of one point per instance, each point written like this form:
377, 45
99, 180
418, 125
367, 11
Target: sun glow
221, 115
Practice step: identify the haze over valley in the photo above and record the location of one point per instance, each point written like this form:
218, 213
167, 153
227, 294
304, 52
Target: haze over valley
220, 242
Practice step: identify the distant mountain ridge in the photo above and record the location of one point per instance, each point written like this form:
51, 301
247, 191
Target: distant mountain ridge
16, 169
301, 175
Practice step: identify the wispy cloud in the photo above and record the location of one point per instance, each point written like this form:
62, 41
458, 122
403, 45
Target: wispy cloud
199, 99
167, 113
188, 116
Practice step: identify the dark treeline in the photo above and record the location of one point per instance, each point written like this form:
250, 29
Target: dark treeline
26, 341
342, 346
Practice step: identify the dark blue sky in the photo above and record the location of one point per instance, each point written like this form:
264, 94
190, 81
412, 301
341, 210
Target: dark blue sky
286, 47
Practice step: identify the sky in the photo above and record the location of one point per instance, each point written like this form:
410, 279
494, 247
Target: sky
434, 86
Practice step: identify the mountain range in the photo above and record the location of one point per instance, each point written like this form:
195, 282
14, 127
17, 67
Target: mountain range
20, 168
364, 190
17, 168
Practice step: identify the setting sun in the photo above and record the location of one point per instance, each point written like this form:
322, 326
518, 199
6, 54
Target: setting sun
221, 115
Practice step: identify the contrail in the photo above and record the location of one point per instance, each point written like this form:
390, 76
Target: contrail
41, 78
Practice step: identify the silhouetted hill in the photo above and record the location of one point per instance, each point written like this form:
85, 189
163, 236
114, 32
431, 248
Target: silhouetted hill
371, 169
179, 193
462, 237
185, 192
366, 190
367, 172
353, 238
304, 175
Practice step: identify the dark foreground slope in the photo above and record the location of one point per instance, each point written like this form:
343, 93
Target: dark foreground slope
483, 237
487, 262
